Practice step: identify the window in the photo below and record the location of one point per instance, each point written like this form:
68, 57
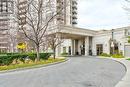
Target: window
6, 6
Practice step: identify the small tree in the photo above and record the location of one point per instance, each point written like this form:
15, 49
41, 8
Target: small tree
54, 41
22, 46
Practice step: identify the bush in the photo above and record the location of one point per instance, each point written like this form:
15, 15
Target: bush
44, 56
128, 41
22, 57
6, 60
64, 54
10, 57
105, 55
128, 59
32, 56
117, 56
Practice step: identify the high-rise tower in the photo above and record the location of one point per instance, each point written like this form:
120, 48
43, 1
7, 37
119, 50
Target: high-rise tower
69, 12
6, 9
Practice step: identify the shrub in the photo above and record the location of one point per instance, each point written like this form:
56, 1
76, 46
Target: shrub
10, 57
128, 59
64, 54
5, 60
105, 55
44, 56
32, 56
117, 56
22, 57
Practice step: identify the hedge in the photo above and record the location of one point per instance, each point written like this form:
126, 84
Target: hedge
6, 60
10, 57
105, 55
117, 56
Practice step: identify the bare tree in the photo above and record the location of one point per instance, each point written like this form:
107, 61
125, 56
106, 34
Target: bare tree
12, 41
36, 22
126, 7
54, 41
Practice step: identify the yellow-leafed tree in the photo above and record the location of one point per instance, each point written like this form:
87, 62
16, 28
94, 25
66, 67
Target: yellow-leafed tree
22, 46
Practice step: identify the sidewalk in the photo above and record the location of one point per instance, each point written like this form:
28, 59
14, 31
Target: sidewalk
125, 82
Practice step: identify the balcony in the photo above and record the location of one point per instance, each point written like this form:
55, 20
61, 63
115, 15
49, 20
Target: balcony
74, 3
74, 17
74, 23
74, 7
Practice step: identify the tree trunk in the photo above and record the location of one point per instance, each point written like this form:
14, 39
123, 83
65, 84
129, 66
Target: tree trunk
38, 53
54, 50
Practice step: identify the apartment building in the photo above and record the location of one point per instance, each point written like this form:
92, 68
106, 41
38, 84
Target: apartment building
69, 13
6, 9
77, 41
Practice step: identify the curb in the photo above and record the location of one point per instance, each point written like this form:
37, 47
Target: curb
116, 60
33, 67
123, 82
121, 64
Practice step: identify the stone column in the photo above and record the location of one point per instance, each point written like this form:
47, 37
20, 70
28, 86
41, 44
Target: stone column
79, 46
72, 47
86, 46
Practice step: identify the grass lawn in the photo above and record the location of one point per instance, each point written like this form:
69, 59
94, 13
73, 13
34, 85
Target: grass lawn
31, 64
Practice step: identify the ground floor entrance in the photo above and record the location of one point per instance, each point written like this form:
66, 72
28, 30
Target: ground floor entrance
99, 48
78, 46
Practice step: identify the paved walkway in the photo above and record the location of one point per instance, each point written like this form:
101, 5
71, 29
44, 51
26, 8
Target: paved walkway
125, 82
77, 72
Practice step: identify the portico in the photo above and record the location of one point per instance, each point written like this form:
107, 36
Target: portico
79, 40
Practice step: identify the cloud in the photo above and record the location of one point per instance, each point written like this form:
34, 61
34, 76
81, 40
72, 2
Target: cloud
98, 14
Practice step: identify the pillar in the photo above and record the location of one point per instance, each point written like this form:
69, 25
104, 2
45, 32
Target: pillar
79, 46
86, 46
72, 47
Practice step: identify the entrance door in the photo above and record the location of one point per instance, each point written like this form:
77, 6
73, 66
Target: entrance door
99, 48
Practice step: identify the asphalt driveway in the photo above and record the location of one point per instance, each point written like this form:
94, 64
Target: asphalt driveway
77, 72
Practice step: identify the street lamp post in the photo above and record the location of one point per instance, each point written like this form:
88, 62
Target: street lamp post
112, 42
112, 45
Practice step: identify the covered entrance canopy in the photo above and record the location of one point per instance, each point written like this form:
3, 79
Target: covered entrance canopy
80, 38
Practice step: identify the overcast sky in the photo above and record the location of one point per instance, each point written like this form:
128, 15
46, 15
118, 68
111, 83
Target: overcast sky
102, 14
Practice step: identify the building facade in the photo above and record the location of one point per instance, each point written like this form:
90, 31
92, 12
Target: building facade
77, 41
88, 42
6, 11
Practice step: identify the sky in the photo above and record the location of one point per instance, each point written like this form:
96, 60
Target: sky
102, 14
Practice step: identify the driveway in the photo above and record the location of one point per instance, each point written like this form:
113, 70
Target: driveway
77, 72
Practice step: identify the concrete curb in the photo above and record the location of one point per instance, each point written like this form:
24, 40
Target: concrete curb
125, 81
33, 67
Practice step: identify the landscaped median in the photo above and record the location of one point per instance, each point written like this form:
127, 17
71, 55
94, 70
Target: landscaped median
13, 62
32, 64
